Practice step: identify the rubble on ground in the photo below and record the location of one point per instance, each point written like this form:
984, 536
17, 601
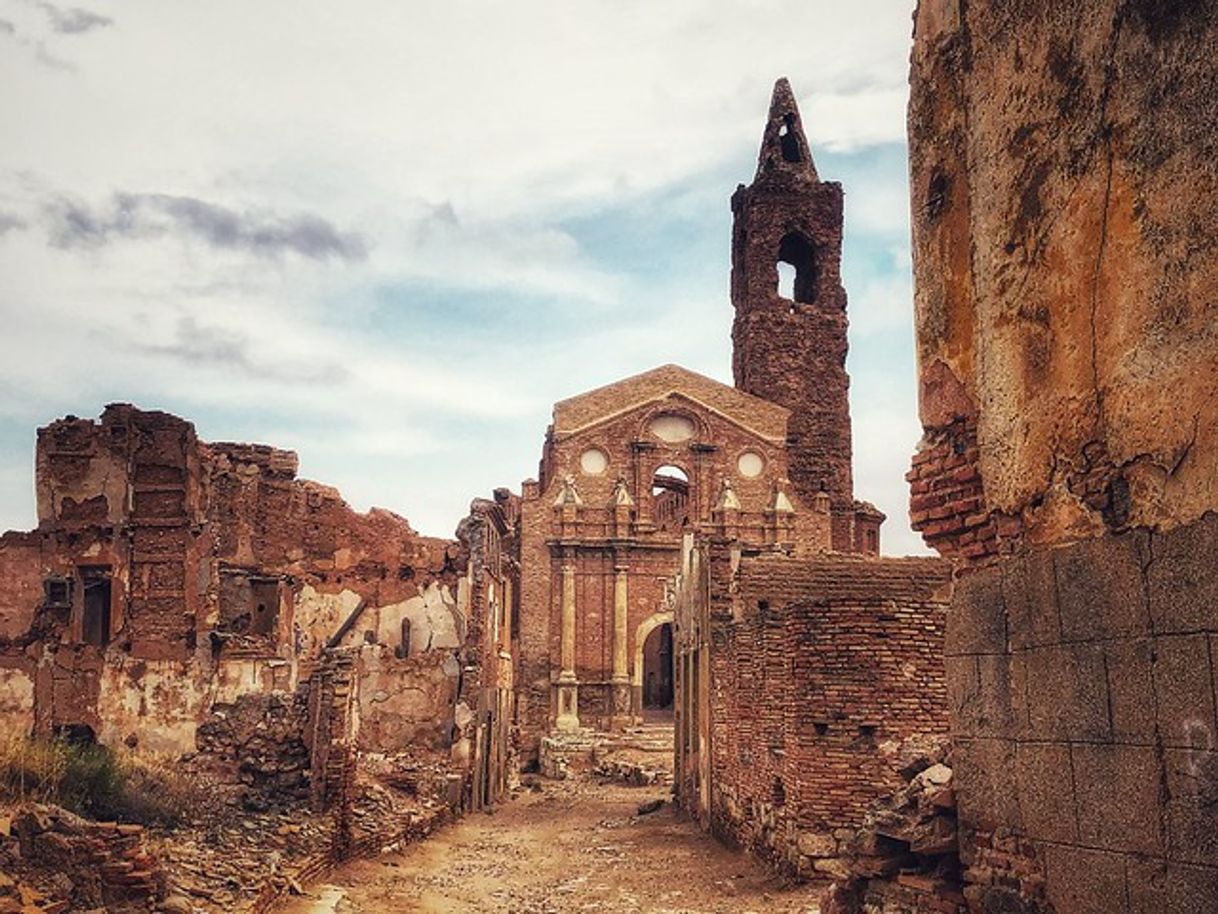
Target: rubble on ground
52, 860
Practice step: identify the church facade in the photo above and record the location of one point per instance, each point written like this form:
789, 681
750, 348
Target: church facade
630, 468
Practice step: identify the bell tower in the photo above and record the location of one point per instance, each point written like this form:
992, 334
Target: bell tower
789, 333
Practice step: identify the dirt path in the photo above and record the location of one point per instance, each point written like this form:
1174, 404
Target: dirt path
575, 847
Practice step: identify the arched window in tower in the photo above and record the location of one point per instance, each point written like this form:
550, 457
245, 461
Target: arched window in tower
796, 269
786, 136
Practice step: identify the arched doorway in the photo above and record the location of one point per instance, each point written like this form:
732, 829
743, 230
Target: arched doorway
642, 636
657, 671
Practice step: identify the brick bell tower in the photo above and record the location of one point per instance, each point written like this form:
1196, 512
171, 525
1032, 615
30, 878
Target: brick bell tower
789, 336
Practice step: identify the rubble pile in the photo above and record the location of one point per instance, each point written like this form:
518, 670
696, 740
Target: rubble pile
904, 859
255, 858
52, 860
260, 736
631, 773
223, 867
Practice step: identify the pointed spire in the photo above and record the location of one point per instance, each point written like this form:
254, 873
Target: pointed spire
784, 148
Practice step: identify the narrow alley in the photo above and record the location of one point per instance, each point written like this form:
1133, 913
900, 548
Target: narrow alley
574, 846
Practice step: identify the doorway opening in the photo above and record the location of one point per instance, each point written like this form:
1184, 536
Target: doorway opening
95, 623
658, 672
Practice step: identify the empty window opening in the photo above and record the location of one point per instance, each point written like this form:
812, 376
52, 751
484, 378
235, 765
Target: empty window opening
670, 495
658, 670
95, 628
249, 604
786, 281
57, 593
265, 597
796, 269
80, 735
786, 137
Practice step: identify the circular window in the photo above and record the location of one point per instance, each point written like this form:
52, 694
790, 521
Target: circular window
750, 464
593, 461
672, 428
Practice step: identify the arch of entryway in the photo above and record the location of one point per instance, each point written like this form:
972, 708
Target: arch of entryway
646, 628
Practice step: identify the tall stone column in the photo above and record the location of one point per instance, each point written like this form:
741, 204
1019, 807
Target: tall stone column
621, 674
568, 685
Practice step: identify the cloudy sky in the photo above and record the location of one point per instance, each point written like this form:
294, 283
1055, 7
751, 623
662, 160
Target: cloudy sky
390, 234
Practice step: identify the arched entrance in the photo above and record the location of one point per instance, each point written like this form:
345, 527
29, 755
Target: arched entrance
657, 669
651, 677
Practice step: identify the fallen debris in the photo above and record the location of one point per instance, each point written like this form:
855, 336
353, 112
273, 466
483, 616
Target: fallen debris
646, 809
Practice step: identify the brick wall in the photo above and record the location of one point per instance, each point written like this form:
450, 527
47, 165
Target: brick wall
814, 665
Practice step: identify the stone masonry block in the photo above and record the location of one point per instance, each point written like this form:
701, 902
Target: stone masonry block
985, 782
1085, 881
1192, 805
1100, 588
1184, 691
1131, 689
1118, 797
963, 694
996, 710
1029, 590
976, 619
1159, 887
1183, 578
1046, 792
1067, 693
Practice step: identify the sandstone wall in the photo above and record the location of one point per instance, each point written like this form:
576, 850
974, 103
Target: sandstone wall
1065, 198
1064, 194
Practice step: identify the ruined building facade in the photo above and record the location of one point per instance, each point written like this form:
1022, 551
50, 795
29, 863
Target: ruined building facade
1065, 196
627, 470
174, 586
630, 468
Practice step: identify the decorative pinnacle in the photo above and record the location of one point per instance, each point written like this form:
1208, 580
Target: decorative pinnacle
784, 148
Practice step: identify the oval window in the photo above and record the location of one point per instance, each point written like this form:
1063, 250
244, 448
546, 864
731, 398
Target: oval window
750, 464
593, 461
672, 428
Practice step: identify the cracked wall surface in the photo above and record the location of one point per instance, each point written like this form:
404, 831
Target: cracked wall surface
1065, 198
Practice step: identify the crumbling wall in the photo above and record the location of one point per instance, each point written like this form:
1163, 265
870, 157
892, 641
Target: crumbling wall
169, 575
815, 667
484, 735
1064, 203
405, 702
1063, 173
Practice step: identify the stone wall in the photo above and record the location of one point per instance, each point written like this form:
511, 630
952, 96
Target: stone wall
795, 678
1065, 197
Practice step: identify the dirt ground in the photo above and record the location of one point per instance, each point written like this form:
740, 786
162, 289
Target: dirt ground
577, 846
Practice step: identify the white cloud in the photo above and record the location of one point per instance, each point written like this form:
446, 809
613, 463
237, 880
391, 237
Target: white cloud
257, 174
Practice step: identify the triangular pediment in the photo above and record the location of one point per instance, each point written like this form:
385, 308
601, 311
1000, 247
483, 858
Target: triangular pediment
761, 417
